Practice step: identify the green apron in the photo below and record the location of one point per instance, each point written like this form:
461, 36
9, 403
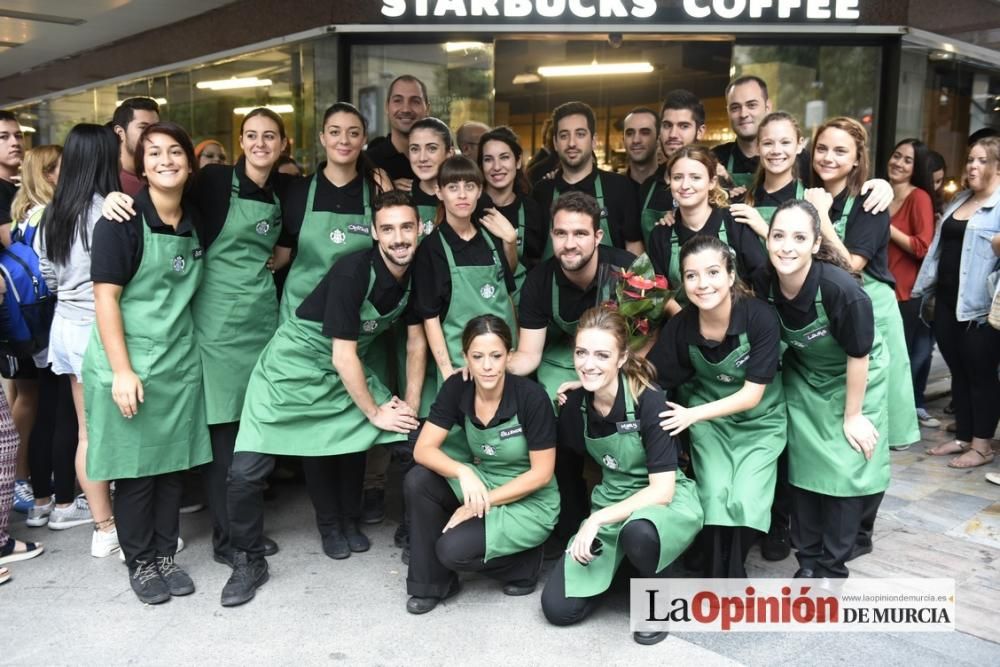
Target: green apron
815, 378
236, 309
649, 217
297, 404
622, 458
735, 457
903, 426
169, 431
324, 238
500, 454
739, 180
520, 273
557, 365
599, 196
767, 212
674, 268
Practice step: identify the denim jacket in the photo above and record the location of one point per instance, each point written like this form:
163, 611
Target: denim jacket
978, 260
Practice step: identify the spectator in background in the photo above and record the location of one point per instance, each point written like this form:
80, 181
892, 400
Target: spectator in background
132, 117
405, 104
11, 155
640, 134
467, 136
210, 151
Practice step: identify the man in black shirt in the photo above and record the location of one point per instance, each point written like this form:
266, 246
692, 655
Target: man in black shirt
573, 130
405, 104
11, 155
641, 130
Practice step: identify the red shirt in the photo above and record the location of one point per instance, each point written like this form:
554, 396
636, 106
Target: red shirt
131, 183
915, 218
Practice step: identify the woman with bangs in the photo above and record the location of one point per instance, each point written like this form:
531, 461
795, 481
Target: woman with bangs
702, 209
840, 166
142, 371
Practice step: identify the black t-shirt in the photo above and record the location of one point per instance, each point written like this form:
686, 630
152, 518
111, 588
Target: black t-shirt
116, 250
619, 201
345, 200
7, 192
671, 355
662, 198
950, 258
535, 309
421, 198
211, 192
762, 197
523, 400
848, 307
536, 225
750, 254
337, 299
661, 447
431, 277
385, 156
866, 234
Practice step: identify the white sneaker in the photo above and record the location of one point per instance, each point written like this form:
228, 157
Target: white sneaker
38, 515
180, 548
103, 544
76, 514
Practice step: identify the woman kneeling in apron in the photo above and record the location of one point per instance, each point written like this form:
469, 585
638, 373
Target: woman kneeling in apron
644, 509
142, 373
721, 355
835, 379
493, 514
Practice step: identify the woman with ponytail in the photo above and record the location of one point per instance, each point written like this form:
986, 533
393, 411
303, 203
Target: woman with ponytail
431, 144
720, 353
645, 509
836, 382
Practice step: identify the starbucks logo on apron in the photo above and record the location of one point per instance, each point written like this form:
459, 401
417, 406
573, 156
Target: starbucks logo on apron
178, 264
369, 326
338, 237
489, 450
610, 462
487, 291
722, 377
263, 227
427, 227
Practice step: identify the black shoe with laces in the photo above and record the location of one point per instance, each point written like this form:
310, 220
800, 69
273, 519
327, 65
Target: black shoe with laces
178, 581
356, 540
147, 583
247, 577
373, 506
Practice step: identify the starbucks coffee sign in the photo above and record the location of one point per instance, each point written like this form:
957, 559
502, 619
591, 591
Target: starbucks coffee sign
622, 11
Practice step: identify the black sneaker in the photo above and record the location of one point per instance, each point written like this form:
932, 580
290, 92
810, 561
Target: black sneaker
178, 581
776, 545
649, 638
246, 578
401, 538
147, 583
335, 545
356, 540
373, 506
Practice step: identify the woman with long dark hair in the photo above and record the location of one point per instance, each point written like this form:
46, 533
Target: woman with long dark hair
720, 354
836, 381
644, 510
142, 371
910, 234
89, 173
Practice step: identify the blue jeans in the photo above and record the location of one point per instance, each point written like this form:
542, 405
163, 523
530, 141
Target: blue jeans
920, 345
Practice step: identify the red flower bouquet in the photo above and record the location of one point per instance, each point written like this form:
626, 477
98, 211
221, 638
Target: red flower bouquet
638, 294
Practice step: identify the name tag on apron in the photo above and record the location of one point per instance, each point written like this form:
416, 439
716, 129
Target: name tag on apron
198, 253
742, 360
511, 432
355, 228
628, 427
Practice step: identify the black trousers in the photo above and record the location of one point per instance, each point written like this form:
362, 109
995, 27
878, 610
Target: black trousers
213, 477
435, 558
826, 528
147, 514
725, 550
867, 528
641, 544
245, 485
972, 353
574, 502
781, 506
53, 439
919, 345
335, 486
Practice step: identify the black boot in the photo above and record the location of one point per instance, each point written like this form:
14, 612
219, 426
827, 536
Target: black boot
356, 540
373, 506
247, 577
335, 544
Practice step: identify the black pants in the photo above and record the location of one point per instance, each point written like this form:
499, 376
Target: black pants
248, 475
147, 514
435, 557
641, 544
781, 506
574, 503
826, 528
972, 353
213, 477
725, 550
867, 528
335, 486
53, 439
919, 345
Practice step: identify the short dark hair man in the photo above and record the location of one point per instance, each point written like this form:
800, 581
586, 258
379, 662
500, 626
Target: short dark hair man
747, 103
573, 127
132, 117
11, 156
405, 103
640, 135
